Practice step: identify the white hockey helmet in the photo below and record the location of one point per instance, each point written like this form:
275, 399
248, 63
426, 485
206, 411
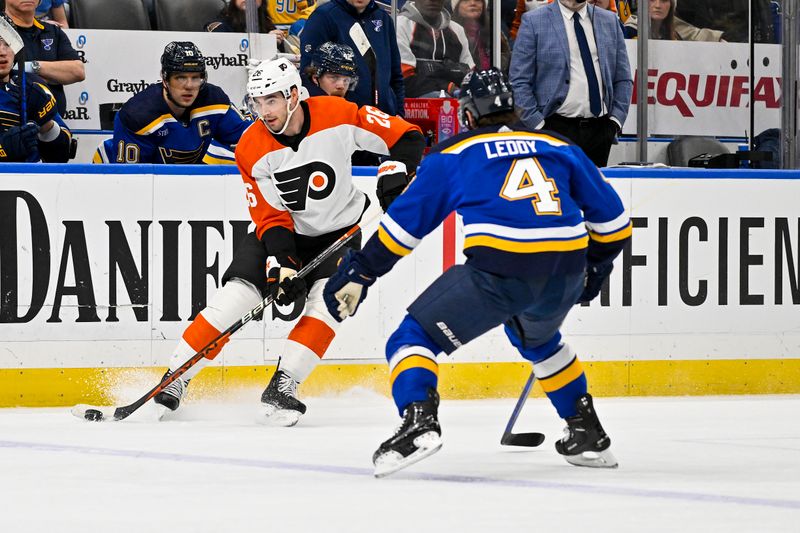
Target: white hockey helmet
278, 75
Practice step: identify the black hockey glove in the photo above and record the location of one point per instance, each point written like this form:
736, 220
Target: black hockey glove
596, 275
393, 178
347, 288
19, 142
284, 287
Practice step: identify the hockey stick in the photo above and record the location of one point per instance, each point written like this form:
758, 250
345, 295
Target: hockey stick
370, 57
97, 413
521, 439
15, 42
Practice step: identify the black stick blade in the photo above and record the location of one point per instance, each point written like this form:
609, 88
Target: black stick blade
530, 440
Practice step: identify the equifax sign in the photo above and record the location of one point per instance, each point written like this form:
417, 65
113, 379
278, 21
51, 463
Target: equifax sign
686, 93
696, 88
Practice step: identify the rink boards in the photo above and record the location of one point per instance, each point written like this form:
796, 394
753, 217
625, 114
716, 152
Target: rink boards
101, 269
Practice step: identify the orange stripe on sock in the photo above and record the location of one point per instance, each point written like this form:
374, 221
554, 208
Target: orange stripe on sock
314, 334
200, 333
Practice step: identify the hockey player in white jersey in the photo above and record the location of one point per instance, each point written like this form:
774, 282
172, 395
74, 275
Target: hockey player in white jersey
298, 179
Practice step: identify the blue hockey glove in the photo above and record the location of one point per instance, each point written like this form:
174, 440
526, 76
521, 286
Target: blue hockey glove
347, 288
596, 275
19, 142
393, 179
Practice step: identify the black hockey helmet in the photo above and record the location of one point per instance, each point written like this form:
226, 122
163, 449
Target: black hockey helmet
337, 59
182, 56
484, 93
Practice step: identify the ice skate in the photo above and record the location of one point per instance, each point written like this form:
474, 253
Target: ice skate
280, 406
585, 443
418, 436
170, 398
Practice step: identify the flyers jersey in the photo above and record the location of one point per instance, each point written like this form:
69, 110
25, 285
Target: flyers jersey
307, 187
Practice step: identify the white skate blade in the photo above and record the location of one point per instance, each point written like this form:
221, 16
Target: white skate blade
272, 416
390, 462
604, 459
90, 412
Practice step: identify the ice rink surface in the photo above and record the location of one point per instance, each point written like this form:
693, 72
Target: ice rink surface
727, 464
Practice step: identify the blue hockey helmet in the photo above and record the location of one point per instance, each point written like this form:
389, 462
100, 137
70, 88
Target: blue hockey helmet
484, 93
182, 56
335, 58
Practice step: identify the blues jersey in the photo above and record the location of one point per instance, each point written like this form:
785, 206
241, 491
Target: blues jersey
41, 109
146, 131
531, 204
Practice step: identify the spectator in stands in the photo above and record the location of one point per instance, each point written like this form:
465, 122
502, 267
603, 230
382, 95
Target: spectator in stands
284, 13
472, 16
174, 121
48, 51
232, 19
570, 74
731, 17
433, 49
41, 135
376, 52
664, 25
53, 11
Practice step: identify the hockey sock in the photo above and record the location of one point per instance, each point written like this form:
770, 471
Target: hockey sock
230, 302
562, 379
310, 337
413, 370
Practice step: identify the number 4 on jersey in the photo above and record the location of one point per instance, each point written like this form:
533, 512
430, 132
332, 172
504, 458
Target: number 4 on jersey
526, 179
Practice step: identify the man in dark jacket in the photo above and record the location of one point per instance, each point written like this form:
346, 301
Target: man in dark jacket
369, 31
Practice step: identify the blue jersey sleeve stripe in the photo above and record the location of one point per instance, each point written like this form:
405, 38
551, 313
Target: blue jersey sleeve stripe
622, 234
611, 226
399, 233
391, 244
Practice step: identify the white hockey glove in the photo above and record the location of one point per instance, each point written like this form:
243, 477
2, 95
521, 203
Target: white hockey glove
393, 178
346, 288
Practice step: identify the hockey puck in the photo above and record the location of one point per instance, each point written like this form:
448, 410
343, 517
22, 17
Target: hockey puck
93, 415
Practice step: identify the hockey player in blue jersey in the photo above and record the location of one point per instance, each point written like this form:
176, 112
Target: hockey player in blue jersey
41, 134
173, 122
542, 228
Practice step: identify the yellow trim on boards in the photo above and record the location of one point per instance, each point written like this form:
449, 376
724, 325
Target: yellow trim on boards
59, 387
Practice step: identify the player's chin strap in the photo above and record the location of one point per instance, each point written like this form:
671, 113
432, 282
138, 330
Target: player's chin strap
290, 111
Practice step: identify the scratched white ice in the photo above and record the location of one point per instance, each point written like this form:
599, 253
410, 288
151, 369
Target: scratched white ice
686, 464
